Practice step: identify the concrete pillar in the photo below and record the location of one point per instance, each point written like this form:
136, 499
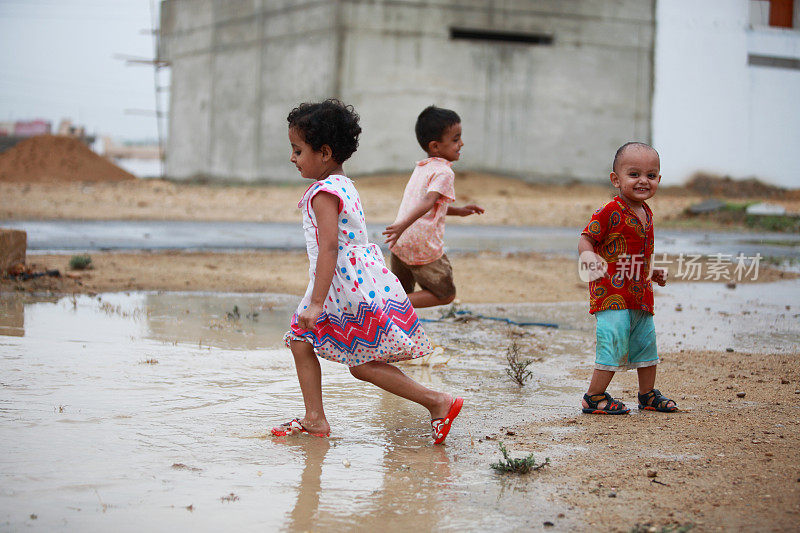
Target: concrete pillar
13, 247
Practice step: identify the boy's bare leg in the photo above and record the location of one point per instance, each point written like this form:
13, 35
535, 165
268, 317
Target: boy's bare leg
392, 379
309, 374
647, 378
598, 385
425, 298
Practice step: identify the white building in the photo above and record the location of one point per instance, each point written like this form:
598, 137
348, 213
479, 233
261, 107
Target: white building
727, 89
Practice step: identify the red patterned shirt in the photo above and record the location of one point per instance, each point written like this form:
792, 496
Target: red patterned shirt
627, 246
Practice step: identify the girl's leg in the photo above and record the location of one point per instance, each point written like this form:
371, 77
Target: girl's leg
392, 379
598, 385
309, 374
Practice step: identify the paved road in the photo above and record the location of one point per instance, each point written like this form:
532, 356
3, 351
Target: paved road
68, 236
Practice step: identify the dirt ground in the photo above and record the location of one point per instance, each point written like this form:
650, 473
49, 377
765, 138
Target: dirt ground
507, 201
526, 277
722, 463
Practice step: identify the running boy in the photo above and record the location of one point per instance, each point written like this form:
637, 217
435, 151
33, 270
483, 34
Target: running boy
416, 238
616, 249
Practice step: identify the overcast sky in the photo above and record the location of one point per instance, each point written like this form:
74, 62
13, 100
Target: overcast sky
58, 62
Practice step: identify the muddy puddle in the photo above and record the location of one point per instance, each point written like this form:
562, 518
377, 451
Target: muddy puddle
141, 411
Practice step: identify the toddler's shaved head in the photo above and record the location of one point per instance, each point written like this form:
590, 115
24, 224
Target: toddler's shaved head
631, 146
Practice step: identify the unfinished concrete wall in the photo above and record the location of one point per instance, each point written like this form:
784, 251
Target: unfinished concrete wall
539, 111
551, 110
238, 67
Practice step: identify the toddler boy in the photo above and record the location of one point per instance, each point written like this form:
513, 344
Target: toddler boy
416, 237
616, 249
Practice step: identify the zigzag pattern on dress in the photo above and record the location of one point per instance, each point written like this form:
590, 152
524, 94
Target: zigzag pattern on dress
365, 329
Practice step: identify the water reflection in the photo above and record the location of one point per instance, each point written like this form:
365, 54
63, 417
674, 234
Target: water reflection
305, 515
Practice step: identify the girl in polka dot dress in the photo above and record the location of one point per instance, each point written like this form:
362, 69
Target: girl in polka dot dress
354, 311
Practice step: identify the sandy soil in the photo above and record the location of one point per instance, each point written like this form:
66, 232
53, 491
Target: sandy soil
507, 201
526, 277
724, 462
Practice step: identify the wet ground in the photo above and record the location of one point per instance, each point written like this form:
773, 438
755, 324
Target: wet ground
49, 236
138, 411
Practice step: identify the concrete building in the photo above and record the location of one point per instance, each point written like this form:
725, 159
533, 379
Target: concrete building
727, 89
546, 89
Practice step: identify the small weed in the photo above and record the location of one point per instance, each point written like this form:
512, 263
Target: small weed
517, 369
80, 262
648, 528
236, 314
517, 466
450, 312
60, 408
102, 503
229, 498
111, 310
151, 361
181, 466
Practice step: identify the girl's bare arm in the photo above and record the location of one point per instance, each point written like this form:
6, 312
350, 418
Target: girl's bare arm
326, 209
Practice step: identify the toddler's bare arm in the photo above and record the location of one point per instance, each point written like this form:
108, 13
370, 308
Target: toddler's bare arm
590, 263
660, 276
465, 211
397, 228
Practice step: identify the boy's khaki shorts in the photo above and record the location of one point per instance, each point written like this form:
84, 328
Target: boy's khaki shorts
436, 277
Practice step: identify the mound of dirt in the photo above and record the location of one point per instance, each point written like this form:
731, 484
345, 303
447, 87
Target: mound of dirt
726, 187
57, 158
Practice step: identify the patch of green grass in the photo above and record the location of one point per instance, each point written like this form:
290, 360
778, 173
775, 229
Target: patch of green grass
80, 262
734, 214
779, 223
517, 466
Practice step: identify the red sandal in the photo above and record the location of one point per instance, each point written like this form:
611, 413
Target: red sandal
295, 428
441, 426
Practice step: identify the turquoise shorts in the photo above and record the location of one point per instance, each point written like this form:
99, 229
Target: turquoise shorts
626, 338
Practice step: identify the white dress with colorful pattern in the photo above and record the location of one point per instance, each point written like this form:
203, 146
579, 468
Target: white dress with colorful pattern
366, 315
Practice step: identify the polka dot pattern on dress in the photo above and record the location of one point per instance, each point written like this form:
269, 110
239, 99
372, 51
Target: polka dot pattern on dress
357, 326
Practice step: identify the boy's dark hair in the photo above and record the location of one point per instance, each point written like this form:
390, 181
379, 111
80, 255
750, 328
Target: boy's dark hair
633, 144
432, 123
329, 122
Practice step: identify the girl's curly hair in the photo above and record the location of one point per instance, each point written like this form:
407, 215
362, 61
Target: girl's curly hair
329, 122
